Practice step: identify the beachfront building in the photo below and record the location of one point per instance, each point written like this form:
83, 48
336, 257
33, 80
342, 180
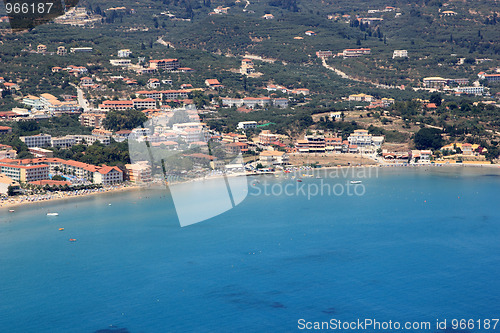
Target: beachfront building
365, 142
107, 175
273, 158
333, 145
139, 172
25, 173
5, 182
420, 156
316, 143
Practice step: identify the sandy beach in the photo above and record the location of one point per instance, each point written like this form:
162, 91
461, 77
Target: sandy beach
22, 200
17, 201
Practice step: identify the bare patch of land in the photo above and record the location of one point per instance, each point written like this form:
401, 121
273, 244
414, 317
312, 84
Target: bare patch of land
329, 160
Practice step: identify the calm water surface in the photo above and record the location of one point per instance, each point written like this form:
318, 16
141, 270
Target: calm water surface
419, 245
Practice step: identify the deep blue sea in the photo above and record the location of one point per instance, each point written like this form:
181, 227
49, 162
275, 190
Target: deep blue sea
420, 244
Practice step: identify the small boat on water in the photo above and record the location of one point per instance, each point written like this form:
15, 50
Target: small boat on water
61, 229
52, 214
72, 240
11, 211
299, 180
355, 181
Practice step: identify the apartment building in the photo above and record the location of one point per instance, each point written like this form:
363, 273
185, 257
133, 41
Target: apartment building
316, 143
365, 142
107, 175
352, 53
124, 53
25, 173
435, 82
361, 98
470, 90
144, 103
273, 158
247, 125
266, 137
164, 64
92, 119
400, 54
324, 54
139, 172
121, 62
39, 140
247, 67
116, 105
67, 141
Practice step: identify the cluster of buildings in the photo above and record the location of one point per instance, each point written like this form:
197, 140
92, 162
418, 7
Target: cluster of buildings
50, 104
374, 103
35, 169
353, 53
255, 102
71, 69
358, 142
298, 91
439, 83
347, 53
46, 140
489, 77
77, 16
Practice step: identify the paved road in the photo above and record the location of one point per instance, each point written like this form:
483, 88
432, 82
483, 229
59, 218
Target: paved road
81, 99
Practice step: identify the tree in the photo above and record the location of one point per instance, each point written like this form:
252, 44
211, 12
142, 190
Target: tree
124, 119
436, 99
58, 177
427, 138
11, 191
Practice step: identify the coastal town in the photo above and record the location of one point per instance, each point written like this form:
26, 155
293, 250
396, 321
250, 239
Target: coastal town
163, 106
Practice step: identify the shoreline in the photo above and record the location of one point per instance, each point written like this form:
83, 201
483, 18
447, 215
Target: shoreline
63, 196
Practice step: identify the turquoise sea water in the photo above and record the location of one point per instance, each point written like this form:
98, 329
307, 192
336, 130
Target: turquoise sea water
419, 245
